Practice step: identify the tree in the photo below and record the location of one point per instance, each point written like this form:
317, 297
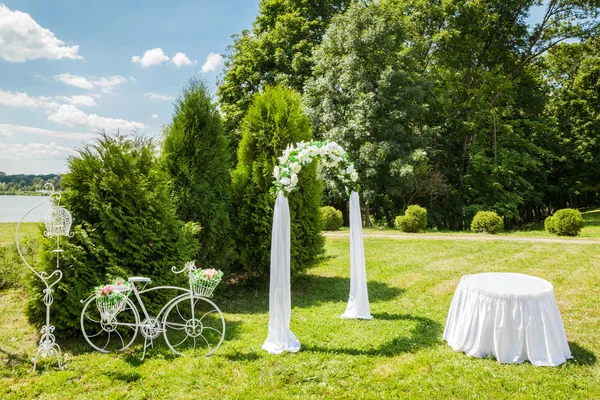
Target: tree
274, 121
277, 51
366, 94
196, 157
124, 225
574, 108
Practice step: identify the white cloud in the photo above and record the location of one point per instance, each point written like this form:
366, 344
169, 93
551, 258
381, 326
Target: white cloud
21, 39
213, 61
72, 116
21, 129
31, 150
154, 116
154, 56
74, 80
156, 96
106, 85
20, 99
7, 134
83, 100
181, 59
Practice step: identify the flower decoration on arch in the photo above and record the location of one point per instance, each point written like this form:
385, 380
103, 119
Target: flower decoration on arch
295, 157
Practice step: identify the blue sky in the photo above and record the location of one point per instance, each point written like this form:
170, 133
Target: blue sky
54, 95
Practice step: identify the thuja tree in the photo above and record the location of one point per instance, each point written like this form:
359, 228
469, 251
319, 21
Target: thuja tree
124, 224
196, 157
274, 120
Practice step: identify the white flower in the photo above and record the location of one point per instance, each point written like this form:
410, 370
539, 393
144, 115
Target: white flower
285, 181
295, 167
289, 188
332, 164
350, 169
354, 176
283, 159
276, 172
294, 179
313, 151
406, 170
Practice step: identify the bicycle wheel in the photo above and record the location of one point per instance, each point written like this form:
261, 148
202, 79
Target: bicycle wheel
193, 326
114, 332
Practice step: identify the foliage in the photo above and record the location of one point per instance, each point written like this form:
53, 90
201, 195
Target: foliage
124, 225
332, 218
278, 50
13, 272
27, 183
196, 158
274, 121
487, 222
367, 96
413, 220
565, 222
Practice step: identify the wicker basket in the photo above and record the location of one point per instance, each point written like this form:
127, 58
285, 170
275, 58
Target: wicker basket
205, 287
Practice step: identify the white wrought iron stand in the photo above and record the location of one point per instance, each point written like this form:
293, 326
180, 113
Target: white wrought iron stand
58, 223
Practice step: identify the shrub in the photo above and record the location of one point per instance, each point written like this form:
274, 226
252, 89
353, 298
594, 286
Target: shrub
549, 225
413, 220
196, 157
274, 120
124, 224
332, 218
565, 222
487, 222
12, 270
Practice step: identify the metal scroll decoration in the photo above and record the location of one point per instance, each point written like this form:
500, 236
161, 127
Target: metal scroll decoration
58, 223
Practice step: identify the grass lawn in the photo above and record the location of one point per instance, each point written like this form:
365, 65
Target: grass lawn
399, 354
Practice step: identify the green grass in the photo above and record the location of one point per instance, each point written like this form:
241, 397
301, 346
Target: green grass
399, 354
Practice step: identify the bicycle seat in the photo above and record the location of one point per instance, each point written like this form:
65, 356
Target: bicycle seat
138, 279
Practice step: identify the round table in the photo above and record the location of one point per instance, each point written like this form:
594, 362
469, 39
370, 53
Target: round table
513, 317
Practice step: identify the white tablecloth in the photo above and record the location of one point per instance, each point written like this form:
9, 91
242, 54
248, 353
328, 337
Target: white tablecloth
513, 317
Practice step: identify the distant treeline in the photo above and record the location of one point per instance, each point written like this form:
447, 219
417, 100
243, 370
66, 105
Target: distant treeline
27, 183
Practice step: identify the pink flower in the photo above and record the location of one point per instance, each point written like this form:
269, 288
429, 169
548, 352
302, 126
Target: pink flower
210, 273
106, 290
119, 282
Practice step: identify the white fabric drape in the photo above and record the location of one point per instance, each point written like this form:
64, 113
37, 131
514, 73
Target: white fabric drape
358, 303
280, 337
511, 316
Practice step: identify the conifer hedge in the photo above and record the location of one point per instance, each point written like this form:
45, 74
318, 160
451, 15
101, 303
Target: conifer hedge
197, 159
124, 225
274, 120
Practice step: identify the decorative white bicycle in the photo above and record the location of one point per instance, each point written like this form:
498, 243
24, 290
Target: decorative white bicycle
191, 324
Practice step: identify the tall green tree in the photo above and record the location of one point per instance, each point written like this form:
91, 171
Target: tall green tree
573, 72
274, 121
366, 94
196, 157
276, 51
124, 225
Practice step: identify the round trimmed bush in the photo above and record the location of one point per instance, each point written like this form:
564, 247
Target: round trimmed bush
549, 225
332, 218
487, 222
565, 222
413, 220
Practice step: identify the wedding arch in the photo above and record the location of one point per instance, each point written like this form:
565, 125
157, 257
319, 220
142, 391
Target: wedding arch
331, 155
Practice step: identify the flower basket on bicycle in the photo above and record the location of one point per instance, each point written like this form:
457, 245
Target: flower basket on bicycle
110, 298
204, 281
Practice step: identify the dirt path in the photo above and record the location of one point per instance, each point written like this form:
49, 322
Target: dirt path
417, 236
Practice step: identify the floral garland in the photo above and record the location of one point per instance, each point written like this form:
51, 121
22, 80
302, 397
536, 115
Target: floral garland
296, 157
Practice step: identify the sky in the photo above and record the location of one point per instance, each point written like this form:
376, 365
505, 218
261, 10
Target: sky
69, 68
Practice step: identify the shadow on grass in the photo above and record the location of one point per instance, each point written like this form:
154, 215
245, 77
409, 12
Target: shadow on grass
307, 291
14, 360
426, 333
251, 356
581, 356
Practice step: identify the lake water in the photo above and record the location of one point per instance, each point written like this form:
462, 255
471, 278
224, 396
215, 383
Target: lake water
12, 208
